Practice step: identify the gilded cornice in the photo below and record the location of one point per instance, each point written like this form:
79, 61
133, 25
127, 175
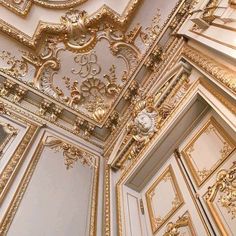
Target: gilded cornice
221, 73
103, 14
14, 6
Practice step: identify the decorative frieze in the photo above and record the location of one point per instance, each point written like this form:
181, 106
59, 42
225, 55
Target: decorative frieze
71, 153
221, 73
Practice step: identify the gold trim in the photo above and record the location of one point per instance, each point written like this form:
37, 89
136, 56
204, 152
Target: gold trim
133, 163
18, 196
221, 73
172, 228
12, 167
107, 206
178, 197
104, 13
225, 153
225, 184
47, 4
11, 131
177, 157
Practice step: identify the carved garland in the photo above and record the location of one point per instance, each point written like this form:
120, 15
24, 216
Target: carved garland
71, 153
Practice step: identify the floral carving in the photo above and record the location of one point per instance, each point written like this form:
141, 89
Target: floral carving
93, 87
172, 228
152, 31
143, 125
221, 73
71, 153
225, 186
78, 37
15, 66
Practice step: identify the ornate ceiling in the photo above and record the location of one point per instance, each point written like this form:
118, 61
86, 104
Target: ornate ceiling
82, 61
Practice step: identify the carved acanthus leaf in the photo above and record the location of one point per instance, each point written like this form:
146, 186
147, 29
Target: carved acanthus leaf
225, 186
71, 153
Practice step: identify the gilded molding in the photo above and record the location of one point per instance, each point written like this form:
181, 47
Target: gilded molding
131, 165
211, 126
104, 13
15, 161
23, 7
221, 73
167, 175
172, 228
107, 206
71, 153
225, 186
18, 196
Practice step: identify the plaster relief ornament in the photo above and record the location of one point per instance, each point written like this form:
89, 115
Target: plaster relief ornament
78, 38
143, 125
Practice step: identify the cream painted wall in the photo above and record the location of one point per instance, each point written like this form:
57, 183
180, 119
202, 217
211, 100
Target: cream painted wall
57, 200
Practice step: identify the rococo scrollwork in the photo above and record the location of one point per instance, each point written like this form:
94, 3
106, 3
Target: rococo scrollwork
89, 88
173, 228
224, 192
71, 153
144, 124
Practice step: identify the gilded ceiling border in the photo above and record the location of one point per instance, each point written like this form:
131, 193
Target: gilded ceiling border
12, 167
14, 6
104, 13
224, 184
107, 204
221, 73
127, 171
19, 194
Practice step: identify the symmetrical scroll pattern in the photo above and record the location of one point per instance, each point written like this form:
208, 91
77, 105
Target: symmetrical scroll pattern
71, 153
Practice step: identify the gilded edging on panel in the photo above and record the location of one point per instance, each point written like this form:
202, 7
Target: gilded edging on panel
15, 202
225, 184
15, 161
191, 191
229, 149
178, 198
130, 167
172, 228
